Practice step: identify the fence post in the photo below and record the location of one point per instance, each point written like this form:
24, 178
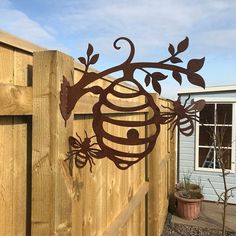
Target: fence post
153, 175
51, 204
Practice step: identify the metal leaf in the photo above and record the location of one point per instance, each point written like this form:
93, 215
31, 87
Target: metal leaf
196, 79
147, 79
89, 50
175, 60
183, 45
82, 60
171, 49
177, 76
195, 64
158, 76
94, 58
156, 86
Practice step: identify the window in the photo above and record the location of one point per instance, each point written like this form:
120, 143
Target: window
215, 118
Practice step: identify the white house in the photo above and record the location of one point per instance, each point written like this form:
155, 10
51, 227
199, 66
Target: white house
196, 153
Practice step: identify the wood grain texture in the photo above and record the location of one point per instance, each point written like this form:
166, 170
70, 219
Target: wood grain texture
13, 156
51, 203
23, 68
127, 211
104, 193
15, 100
6, 64
161, 164
19, 175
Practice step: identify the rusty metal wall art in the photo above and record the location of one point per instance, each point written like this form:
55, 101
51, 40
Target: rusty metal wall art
181, 116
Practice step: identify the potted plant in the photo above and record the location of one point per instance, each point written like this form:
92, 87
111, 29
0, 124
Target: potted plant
189, 198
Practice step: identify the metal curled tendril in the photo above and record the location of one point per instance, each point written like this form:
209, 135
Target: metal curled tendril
132, 48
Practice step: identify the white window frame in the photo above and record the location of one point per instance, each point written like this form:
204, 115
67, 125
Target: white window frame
233, 153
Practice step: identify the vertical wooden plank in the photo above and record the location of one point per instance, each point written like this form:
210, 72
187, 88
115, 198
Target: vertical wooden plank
154, 176
19, 175
103, 194
6, 179
140, 175
89, 216
113, 197
20, 64
77, 205
51, 204
23, 68
6, 148
13, 144
6, 64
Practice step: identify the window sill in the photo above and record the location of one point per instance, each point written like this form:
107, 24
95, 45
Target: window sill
213, 170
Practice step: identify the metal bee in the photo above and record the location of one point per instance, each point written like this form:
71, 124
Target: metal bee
83, 152
183, 116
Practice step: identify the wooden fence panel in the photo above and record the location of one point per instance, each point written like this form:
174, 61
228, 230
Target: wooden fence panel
99, 199
14, 139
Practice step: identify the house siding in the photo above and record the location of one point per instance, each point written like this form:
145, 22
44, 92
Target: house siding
187, 156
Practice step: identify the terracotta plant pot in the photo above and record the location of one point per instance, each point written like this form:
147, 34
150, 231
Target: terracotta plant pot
188, 208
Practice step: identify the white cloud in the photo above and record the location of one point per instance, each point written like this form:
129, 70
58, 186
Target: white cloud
153, 24
18, 23
150, 24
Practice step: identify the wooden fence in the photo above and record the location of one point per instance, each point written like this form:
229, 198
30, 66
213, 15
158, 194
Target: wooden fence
37, 194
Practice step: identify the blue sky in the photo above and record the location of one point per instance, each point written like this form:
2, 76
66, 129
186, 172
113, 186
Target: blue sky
151, 24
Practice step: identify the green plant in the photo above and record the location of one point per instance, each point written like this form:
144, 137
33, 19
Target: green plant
189, 189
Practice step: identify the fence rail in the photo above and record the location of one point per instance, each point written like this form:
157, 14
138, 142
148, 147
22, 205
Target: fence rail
37, 194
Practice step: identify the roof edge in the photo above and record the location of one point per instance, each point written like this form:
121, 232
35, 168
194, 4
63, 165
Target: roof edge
210, 89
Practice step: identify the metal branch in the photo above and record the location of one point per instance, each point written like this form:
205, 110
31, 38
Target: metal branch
218, 195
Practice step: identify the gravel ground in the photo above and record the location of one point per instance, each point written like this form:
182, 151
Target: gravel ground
186, 230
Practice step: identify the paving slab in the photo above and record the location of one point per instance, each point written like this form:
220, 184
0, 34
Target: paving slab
211, 217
